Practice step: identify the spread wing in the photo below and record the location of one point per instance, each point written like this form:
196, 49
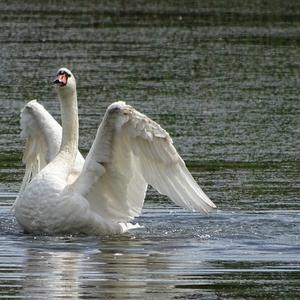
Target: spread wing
43, 136
131, 151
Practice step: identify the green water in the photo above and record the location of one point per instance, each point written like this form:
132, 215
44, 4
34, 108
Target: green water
223, 78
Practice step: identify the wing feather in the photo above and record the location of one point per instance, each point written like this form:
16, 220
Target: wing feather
42, 134
132, 152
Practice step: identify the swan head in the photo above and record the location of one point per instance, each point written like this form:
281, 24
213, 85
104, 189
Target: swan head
65, 82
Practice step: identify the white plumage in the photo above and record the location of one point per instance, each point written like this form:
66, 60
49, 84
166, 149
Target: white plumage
63, 193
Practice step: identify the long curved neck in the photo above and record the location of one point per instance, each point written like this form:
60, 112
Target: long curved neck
69, 116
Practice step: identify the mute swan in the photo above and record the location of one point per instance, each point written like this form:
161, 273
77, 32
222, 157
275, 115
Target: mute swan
63, 193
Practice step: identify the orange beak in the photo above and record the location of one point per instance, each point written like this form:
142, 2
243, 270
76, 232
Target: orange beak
61, 79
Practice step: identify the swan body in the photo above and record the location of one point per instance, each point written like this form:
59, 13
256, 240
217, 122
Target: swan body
63, 193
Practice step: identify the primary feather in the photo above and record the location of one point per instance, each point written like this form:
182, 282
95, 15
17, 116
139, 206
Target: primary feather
131, 151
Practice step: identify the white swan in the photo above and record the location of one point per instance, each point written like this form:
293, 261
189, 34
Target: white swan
63, 193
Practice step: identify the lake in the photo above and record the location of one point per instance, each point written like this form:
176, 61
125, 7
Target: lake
222, 77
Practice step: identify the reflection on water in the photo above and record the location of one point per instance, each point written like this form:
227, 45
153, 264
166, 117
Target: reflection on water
50, 274
222, 78
176, 254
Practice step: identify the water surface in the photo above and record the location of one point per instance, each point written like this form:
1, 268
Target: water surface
223, 78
